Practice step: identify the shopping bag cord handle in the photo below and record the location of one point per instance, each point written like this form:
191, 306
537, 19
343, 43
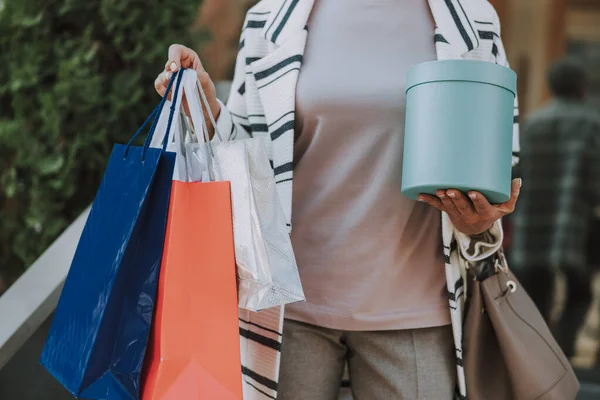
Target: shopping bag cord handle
204, 102
179, 75
154, 117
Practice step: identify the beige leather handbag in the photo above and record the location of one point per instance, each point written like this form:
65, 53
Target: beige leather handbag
509, 352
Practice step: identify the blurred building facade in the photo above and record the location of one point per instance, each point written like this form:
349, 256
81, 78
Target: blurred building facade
537, 32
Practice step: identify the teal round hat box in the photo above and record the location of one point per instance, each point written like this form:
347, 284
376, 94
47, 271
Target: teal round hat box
459, 128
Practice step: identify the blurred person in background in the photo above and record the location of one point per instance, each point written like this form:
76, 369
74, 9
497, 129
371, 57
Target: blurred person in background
593, 252
326, 84
560, 168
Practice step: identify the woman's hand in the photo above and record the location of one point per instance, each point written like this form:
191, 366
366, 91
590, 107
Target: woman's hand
474, 216
181, 56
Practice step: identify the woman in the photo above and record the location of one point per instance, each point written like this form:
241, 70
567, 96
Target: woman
332, 103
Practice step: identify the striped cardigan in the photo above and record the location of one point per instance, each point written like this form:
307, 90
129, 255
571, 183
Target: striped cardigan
262, 103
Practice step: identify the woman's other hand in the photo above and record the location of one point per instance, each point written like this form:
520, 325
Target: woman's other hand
473, 215
181, 56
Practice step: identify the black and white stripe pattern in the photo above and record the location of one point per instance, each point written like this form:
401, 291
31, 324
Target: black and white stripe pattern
439, 38
272, 74
282, 17
455, 278
462, 23
262, 103
261, 348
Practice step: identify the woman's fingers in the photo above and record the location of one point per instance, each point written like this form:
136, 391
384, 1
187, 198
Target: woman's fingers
181, 56
447, 202
162, 82
432, 201
462, 204
473, 216
482, 206
515, 190
160, 85
175, 53
197, 64
204, 79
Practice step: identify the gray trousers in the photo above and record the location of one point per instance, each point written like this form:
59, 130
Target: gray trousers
414, 364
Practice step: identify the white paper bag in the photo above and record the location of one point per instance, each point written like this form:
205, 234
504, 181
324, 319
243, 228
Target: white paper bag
267, 271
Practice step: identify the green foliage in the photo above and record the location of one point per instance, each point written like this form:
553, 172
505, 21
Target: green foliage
76, 76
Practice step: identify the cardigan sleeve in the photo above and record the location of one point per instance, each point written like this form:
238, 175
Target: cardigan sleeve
481, 247
233, 119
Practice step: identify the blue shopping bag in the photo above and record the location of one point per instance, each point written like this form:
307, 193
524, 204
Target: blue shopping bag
99, 333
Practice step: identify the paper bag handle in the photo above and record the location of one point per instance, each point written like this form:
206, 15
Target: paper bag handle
154, 116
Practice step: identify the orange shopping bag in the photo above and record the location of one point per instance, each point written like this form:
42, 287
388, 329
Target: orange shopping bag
194, 352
